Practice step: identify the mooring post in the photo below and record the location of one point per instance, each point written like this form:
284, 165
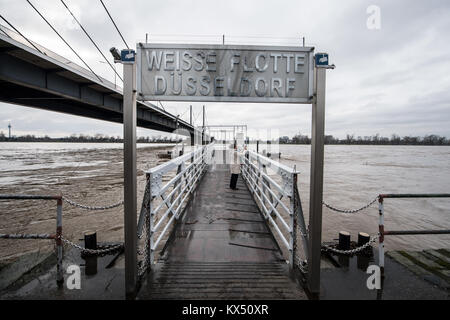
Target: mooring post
59, 247
316, 184
344, 240
363, 238
129, 175
90, 242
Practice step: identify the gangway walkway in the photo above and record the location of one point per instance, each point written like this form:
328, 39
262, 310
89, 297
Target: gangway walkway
222, 248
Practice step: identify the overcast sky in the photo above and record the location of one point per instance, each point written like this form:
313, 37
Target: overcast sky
392, 80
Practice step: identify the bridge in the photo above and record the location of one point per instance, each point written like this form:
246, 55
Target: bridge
33, 76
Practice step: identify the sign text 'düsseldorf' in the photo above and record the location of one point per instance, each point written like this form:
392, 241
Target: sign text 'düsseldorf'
225, 73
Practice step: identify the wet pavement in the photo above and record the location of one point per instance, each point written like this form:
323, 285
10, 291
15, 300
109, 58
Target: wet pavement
97, 281
349, 282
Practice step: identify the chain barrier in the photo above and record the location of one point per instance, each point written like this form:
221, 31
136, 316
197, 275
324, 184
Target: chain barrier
26, 236
143, 264
352, 251
103, 249
301, 264
350, 210
73, 203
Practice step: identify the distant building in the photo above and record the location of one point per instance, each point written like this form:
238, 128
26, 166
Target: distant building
9, 129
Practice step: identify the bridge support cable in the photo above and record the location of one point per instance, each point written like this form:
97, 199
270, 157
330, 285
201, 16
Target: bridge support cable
32, 44
4, 32
61, 37
90, 38
112, 20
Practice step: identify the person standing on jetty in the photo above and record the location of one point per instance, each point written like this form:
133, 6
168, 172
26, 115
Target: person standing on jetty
235, 168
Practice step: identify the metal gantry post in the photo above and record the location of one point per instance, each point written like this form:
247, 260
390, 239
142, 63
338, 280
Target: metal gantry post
129, 174
316, 184
59, 247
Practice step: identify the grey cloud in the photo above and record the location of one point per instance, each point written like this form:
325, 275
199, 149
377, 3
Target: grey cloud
394, 80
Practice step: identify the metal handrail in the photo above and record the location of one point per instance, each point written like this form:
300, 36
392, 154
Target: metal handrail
288, 229
57, 236
277, 167
268, 178
262, 188
190, 168
383, 232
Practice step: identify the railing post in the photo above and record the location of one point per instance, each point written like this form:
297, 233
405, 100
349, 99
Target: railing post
148, 226
293, 224
381, 231
150, 252
59, 247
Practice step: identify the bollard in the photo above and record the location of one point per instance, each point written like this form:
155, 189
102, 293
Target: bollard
90, 242
363, 238
344, 240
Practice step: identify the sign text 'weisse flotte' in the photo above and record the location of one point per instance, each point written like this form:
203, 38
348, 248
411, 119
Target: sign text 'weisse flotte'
225, 73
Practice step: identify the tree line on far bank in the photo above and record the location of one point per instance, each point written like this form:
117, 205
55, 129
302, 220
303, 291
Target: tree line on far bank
427, 140
85, 138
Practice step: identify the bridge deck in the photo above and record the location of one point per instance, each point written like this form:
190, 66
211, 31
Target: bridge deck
222, 249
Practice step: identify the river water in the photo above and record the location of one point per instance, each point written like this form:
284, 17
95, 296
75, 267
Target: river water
354, 175
91, 173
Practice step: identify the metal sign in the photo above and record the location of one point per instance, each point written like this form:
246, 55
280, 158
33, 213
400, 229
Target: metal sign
225, 73
322, 59
127, 56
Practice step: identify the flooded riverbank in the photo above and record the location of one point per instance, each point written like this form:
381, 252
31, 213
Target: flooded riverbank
88, 173
91, 174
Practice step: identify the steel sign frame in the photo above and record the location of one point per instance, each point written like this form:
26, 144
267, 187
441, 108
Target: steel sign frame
309, 51
316, 91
